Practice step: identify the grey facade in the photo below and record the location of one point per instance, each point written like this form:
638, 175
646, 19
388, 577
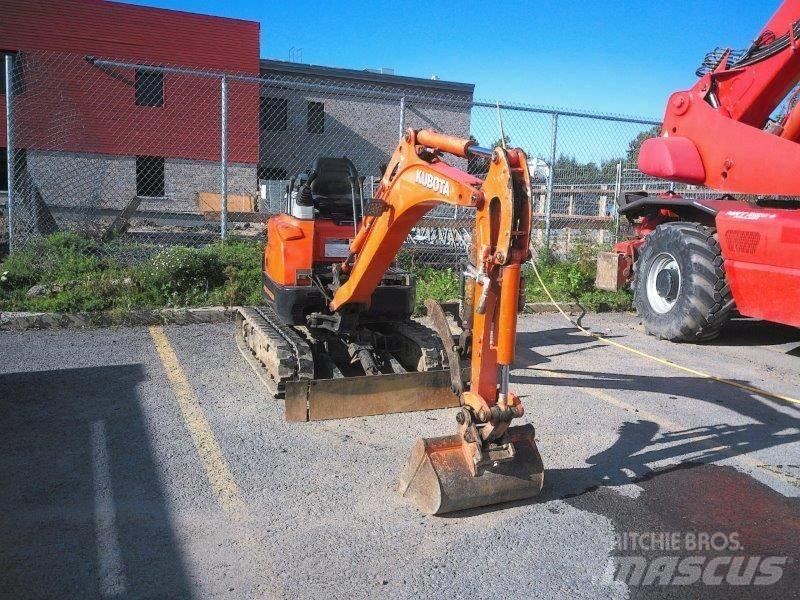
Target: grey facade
74, 179
357, 114
363, 115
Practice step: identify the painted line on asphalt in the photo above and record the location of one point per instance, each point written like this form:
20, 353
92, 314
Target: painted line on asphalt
658, 359
109, 557
219, 474
664, 423
220, 477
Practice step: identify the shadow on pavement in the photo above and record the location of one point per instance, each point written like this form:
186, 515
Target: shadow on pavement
751, 332
749, 521
82, 510
639, 442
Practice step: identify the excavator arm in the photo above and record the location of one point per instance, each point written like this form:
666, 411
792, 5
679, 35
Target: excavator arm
719, 132
415, 181
487, 461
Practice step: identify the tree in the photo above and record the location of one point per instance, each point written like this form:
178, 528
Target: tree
499, 142
635, 144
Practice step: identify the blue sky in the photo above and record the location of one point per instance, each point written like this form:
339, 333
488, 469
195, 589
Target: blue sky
608, 56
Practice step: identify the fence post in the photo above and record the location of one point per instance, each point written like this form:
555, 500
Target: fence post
10, 148
402, 116
548, 203
223, 206
617, 194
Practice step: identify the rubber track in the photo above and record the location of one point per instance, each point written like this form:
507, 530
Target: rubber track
290, 350
427, 340
293, 354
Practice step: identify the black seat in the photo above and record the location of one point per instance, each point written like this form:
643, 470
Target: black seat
333, 182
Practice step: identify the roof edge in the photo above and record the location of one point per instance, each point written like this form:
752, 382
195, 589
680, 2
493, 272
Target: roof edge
132, 4
293, 68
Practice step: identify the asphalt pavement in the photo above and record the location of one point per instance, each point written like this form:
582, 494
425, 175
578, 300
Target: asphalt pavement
151, 463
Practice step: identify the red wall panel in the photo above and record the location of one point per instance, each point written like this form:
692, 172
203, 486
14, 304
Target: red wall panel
71, 104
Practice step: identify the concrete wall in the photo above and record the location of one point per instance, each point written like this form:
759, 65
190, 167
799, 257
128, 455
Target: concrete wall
105, 181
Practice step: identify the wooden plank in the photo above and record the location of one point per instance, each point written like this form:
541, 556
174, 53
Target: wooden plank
238, 217
122, 220
211, 202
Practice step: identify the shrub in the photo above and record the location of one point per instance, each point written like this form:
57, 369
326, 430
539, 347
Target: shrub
19, 270
241, 269
573, 280
441, 285
78, 276
178, 276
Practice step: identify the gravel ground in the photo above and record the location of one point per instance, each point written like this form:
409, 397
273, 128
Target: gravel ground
118, 481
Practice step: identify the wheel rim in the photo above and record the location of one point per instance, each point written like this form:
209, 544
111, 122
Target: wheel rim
663, 283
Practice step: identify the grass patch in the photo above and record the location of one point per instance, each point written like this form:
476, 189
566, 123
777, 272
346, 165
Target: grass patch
570, 280
573, 282
440, 284
65, 272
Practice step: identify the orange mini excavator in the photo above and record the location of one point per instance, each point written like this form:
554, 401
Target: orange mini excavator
336, 338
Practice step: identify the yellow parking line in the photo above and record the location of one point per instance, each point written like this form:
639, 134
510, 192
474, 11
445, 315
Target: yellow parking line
217, 470
665, 423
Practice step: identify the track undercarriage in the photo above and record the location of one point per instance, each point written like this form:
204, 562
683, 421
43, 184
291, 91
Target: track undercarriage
369, 370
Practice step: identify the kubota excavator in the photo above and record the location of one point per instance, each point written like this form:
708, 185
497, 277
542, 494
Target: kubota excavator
336, 337
736, 130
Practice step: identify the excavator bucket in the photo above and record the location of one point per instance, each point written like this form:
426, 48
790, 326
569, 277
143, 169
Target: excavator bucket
438, 479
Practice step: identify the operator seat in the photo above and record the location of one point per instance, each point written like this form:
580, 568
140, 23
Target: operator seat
332, 184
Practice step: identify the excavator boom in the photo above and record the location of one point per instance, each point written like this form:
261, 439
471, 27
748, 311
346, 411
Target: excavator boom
487, 461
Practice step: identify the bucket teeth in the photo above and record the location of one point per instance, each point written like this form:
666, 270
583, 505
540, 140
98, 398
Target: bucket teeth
438, 479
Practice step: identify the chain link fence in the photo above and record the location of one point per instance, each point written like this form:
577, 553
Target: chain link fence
147, 156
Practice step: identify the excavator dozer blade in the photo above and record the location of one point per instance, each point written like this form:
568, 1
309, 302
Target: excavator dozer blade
438, 480
321, 399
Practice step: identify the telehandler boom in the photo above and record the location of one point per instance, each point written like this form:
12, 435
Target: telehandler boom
693, 260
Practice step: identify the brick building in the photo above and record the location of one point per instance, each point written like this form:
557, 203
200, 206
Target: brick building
308, 110
87, 132
100, 118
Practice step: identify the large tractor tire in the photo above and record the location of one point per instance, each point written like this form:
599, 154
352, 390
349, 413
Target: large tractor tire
680, 290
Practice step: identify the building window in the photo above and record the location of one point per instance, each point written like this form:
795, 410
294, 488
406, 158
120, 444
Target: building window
272, 114
4, 169
315, 122
150, 176
271, 173
149, 87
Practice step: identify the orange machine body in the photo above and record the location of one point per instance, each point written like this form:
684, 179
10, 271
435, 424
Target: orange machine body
296, 245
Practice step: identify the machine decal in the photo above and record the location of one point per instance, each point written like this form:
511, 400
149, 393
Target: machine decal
431, 182
746, 215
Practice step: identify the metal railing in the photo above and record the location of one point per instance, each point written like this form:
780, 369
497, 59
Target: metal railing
157, 155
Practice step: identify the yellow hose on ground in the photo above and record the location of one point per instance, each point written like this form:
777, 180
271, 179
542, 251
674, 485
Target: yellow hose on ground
736, 384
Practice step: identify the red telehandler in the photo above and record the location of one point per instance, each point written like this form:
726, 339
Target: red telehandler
737, 130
